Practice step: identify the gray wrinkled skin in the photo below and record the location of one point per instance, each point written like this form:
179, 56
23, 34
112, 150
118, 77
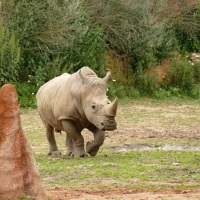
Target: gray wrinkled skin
71, 103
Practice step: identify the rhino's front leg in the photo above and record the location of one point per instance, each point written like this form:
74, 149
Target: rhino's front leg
99, 137
74, 134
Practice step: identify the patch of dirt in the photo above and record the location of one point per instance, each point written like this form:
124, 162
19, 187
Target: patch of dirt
140, 122
59, 193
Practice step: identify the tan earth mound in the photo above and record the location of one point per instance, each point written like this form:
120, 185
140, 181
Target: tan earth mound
18, 171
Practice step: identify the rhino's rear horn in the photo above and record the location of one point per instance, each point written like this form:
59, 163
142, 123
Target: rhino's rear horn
83, 77
108, 76
111, 109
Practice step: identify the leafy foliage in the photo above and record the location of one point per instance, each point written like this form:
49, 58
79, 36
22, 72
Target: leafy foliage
145, 82
89, 52
122, 91
135, 29
62, 36
45, 29
184, 20
197, 72
26, 94
54, 33
9, 55
46, 26
129, 25
181, 75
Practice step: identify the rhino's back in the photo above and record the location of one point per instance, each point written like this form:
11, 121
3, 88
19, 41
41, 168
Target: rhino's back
50, 89
49, 95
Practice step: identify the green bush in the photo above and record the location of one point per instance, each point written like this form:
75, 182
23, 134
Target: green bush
195, 93
181, 76
161, 93
196, 67
46, 29
47, 71
188, 42
9, 55
132, 28
55, 37
183, 21
187, 29
90, 51
46, 26
26, 94
145, 82
60, 36
121, 91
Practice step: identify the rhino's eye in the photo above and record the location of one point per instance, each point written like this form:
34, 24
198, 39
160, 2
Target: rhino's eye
94, 107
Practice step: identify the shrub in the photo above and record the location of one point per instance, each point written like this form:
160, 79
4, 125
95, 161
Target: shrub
90, 51
55, 37
161, 93
48, 71
46, 26
133, 28
121, 91
181, 75
195, 93
145, 82
9, 55
183, 19
62, 36
26, 94
47, 29
196, 67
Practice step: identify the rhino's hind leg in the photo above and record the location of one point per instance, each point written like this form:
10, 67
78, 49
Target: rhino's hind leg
70, 145
99, 137
52, 142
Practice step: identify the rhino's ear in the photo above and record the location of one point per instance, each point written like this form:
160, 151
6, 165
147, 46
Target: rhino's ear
108, 76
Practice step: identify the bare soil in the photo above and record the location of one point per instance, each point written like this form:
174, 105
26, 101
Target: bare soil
60, 193
146, 124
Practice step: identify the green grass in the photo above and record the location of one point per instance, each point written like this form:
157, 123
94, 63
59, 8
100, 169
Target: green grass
131, 169
142, 121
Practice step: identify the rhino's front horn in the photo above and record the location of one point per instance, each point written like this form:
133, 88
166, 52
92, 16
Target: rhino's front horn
111, 109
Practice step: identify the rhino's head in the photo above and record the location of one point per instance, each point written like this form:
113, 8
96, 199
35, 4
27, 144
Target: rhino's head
97, 107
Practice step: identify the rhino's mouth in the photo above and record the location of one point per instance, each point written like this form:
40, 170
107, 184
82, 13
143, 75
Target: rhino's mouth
109, 128
108, 125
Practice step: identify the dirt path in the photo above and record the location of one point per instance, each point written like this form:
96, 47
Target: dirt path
59, 193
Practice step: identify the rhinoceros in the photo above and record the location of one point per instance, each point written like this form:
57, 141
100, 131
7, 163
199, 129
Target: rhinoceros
72, 102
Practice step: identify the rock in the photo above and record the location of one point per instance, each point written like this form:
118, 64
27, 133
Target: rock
18, 171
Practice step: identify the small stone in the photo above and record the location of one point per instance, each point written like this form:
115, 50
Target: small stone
175, 164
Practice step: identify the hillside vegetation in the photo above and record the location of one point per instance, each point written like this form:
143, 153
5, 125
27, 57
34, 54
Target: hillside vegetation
152, 47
